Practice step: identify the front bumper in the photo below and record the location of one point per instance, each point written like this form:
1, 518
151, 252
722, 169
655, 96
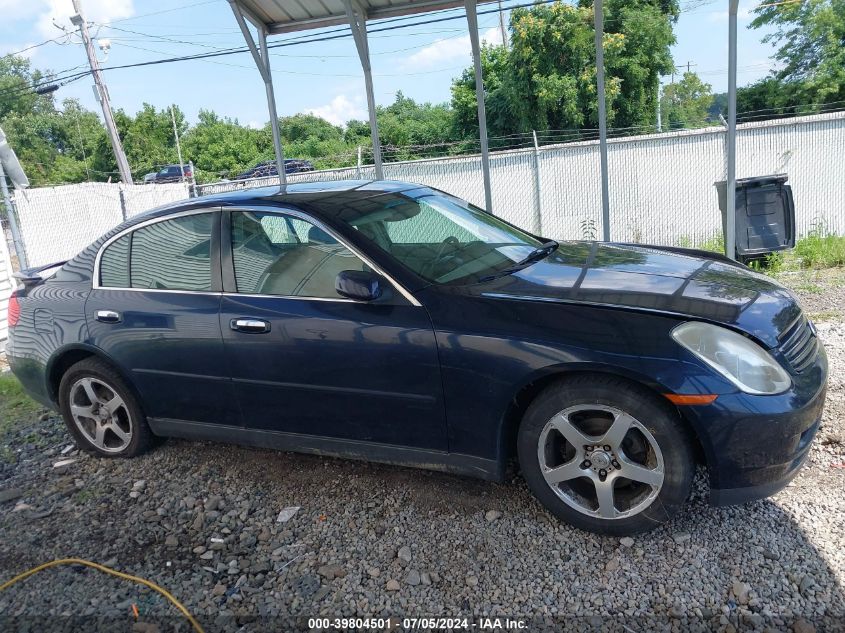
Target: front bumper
755, 445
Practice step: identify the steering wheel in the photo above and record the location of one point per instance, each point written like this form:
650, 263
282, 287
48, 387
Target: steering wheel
442, 257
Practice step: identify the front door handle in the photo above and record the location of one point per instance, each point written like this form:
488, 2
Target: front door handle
252, 326
108, 316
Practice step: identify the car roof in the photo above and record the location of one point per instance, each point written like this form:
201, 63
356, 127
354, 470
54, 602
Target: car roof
290, 194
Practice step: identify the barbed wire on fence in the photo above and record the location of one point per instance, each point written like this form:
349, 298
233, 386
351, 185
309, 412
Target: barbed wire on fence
661, 184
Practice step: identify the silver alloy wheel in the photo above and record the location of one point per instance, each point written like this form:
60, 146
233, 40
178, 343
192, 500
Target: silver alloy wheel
100, 414
597, 464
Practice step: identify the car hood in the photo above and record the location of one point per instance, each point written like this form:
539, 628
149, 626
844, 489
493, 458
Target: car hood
651, 278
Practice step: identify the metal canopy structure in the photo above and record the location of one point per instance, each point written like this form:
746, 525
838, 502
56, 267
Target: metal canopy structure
271, 17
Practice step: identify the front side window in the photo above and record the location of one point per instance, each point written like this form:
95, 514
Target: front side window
440, 238
277, 254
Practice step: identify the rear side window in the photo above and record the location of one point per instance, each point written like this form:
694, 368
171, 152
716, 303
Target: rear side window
114, 264
170, 255
173, 255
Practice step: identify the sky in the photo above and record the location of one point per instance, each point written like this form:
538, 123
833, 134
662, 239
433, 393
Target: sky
324, 78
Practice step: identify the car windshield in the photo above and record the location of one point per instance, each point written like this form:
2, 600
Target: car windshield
441, 238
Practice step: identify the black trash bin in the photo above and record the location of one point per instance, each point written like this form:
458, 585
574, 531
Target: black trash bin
765, 215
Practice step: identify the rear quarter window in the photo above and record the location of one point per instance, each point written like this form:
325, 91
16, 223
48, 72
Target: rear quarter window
167, 255
114, 264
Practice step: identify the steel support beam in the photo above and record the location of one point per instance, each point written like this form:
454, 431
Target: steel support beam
605, 188
20, 250
472, 23
730, 222
357, 16
262, 61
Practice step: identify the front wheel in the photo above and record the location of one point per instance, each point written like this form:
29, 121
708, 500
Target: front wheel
605, 455
100, 411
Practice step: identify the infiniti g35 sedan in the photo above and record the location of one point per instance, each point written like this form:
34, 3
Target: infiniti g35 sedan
392, 322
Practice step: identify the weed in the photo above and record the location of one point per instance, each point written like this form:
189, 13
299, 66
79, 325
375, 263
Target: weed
825, 315
15, 405
821, 248
715, 244
588, 229
83, 496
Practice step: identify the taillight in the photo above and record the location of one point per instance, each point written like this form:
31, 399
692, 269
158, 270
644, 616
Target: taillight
14, 310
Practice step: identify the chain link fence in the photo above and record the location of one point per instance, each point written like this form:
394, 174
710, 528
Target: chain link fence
58, 222
662, 186
6, 285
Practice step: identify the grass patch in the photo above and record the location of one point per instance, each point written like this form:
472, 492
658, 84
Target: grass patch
715, 244
809, 288
820, 249
15, 405
825, 315
86, 495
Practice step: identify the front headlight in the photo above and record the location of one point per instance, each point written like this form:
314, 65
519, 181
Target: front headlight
740, 360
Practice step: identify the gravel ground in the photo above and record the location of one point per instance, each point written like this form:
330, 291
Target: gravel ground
200, 519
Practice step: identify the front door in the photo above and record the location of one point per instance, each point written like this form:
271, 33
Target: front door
154, 309
305, 360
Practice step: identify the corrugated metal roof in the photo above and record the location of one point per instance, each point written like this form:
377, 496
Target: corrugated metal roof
283, 16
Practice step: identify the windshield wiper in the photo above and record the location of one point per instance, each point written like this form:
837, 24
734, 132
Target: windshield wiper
541, 252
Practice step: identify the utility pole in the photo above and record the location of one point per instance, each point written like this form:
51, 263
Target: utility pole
659, 114
598, 17
730, 224
78, 20
502, 26
178, 146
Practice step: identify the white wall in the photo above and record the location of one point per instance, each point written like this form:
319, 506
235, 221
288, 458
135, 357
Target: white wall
661, 185
58, 222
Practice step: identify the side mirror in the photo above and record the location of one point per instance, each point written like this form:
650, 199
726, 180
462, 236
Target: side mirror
359, 285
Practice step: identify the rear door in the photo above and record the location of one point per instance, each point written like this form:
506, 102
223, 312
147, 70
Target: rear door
154, 309
304, 359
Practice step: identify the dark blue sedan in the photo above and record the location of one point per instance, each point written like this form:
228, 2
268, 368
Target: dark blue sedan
392, 322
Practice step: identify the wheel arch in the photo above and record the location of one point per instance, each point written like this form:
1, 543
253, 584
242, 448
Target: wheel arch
68, 356
535, 384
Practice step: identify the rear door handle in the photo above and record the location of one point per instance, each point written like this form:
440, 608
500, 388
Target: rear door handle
252, 326
108, 316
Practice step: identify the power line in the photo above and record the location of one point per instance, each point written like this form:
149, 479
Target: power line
331, 34
33, 46
181, 8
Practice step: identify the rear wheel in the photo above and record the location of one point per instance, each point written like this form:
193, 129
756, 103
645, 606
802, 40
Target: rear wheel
605, 455
100, 411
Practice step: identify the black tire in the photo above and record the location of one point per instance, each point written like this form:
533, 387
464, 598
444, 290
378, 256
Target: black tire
141, 436
657, 417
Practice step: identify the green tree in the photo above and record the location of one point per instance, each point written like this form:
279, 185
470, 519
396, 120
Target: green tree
311, 137
809, 37
495, 67
407, 130
547, 79
685, 104
148, 138
810, 41
222, 147
58, 146
17, 96
411, 130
